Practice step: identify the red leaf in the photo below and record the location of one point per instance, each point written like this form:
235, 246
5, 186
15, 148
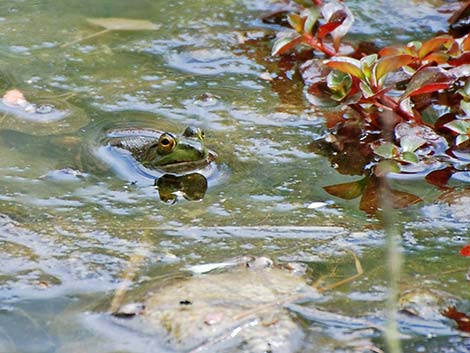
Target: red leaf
334, 22
461, 60
285, 44
432, 87
327, 28
426, 80
465, 251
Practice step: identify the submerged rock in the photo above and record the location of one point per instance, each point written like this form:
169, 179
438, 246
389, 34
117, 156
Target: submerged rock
240, 309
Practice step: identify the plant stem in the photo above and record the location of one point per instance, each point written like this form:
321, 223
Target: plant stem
394, 259
393, 104
312, 41
85, 38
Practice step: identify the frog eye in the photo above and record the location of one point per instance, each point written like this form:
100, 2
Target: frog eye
166, 143
195, 132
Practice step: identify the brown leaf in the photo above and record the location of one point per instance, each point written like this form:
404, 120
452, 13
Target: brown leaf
462, 319
401, 199
440, 177
371, 200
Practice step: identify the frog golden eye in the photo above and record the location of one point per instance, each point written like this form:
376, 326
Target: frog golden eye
166, 144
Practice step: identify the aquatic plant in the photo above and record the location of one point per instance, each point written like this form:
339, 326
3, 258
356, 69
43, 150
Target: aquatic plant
397, 110
410, 103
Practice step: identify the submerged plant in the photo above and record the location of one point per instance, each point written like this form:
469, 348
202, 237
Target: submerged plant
115, 24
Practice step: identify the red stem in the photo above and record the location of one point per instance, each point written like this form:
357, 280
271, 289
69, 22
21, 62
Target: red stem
393, 104
314, 42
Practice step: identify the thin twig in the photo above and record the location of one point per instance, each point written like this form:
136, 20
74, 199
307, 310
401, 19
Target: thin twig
85, 38
359, 272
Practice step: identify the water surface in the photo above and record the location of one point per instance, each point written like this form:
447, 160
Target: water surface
67, 236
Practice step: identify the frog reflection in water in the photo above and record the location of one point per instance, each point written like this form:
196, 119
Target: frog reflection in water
162, 152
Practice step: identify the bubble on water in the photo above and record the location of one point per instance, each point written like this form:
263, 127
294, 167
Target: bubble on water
42, 116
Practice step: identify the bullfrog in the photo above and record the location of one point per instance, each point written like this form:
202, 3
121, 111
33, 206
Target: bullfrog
177, 165
164, 151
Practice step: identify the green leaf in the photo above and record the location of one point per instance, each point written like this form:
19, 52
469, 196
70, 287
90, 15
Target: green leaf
461, 139
465, 106
413, 47
366, 90
123, 24
459, 126
411, 143
385, 167
296, 22
465, 91
386, 150
319, 95
367, 63
286, 42
409, 157
312, 16
339, 84
389, 64
347, 65
347, 191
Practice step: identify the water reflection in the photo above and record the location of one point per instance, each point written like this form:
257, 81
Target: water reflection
192, 187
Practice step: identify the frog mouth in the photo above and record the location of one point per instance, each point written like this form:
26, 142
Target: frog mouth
185, 166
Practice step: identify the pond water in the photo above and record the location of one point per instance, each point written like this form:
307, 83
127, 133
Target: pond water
71, 228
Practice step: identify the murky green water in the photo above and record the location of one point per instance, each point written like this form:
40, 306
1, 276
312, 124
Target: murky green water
66, 241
